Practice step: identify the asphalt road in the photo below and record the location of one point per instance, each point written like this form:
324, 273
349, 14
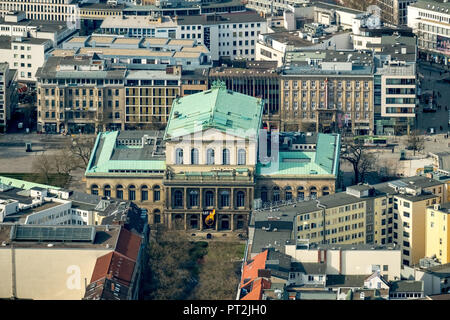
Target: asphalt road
14, 158
438, 120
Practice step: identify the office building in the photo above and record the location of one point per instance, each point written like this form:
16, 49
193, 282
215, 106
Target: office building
430, 21
392, 212
142, 53
80, 94
229, 35
273, 46
16, 24
51, 10
327, 91
25, 55
257, 79
395, 85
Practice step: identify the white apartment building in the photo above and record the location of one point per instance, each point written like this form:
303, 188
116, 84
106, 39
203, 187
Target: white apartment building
16, 24
53, 10
273, 46
359, 259
39, 206
228, 35
24, 54
395, 85
430, 21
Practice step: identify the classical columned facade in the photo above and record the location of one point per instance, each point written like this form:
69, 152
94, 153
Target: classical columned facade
190, 200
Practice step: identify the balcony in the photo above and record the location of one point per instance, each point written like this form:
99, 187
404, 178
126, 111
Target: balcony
237, 175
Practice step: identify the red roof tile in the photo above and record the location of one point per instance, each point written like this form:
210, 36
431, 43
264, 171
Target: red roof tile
101, 267
250, 271
128, 244
114, 266
258, 287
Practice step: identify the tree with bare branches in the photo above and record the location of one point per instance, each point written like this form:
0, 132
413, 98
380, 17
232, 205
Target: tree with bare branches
361, 160
80, 147
169, 274
415, 142
43, 165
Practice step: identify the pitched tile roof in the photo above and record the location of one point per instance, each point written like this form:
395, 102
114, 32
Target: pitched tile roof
106, 289
114, 266
250, 271
128, 244
257, 289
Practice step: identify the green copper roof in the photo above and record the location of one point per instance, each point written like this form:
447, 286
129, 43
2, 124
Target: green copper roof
104, 157
218, 108
22, 184
324, 161
328, 152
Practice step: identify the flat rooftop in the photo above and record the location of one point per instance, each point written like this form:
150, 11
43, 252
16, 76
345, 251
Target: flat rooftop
105, 238
111, 156
238, 17
292, 38
41, 25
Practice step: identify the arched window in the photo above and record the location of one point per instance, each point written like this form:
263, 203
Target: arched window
209, 199
179, 156
144, 193
156, 193
241, 156
300, 193
276, 194
119, 191
178, 198
193, 198
240, 199
325, 191
94, 189
226, 156
313, 192
131, 193
210, 156
225, 198
288, 193
107, 190
194, 156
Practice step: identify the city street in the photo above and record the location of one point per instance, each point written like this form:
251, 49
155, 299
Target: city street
429, 77
14, 158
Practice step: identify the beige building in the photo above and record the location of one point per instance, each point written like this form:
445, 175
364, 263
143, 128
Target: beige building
208, 161
327, 91
80, 94
387, 213
149, 95
60, 270
437, 232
